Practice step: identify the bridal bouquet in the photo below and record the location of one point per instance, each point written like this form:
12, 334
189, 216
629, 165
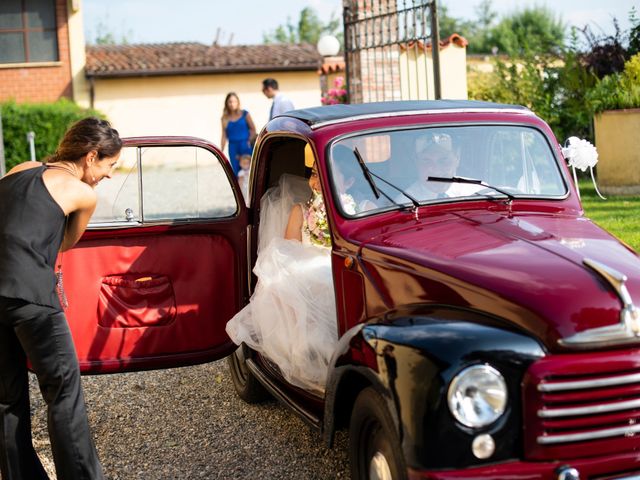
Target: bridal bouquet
316, 217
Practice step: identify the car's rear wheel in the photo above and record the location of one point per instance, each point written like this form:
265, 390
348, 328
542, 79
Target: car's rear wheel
246, 384
374, 447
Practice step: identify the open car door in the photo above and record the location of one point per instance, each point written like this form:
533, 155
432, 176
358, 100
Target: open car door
163, 264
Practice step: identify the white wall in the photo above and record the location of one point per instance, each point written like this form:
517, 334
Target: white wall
192, 104
453, 74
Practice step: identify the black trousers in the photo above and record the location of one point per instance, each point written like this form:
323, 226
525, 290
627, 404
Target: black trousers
42, 334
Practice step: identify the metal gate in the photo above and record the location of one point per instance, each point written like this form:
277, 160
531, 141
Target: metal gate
388, 50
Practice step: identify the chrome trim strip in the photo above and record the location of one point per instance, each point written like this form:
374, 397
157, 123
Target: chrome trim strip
615, 278
114, 225
627, 331
577, 437
630, 476
611, 335
590, 410
582, 384
370, 116
140, 200
151, 223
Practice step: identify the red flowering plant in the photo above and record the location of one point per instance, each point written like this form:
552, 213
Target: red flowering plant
337, 94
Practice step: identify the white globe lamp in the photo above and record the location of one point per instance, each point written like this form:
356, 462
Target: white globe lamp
328, 46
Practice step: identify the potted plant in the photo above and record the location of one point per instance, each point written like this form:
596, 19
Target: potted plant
615, 100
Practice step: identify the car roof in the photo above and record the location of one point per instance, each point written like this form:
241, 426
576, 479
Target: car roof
329, 114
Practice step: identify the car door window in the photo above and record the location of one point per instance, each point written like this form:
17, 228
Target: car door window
154, 184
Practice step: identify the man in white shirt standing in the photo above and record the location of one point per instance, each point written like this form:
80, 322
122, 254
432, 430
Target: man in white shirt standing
280, 103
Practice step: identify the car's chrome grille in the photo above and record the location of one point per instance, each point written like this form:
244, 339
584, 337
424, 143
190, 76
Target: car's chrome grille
582, 404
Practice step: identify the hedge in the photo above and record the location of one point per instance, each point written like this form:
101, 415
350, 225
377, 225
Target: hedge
49, 121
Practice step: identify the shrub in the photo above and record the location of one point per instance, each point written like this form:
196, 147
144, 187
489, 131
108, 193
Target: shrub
566, 88
618, 90
605, 54
483, 86
48, 121
553, 87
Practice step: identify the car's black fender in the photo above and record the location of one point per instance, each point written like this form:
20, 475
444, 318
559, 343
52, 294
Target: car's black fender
410, 357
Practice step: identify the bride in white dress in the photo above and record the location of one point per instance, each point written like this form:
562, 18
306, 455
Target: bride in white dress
291, 318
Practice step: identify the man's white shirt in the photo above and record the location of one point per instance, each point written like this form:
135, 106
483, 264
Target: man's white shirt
281, 104
420, 191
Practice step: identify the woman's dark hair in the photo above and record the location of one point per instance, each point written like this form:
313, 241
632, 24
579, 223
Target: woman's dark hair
88, 134
226, 111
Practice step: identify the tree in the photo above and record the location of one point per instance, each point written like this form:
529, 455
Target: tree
486, 20
449, 25
606, 55
533, 29
105, 36
634, 33
478, 32
309, 29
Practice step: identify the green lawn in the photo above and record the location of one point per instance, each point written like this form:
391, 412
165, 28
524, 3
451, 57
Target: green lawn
618, 215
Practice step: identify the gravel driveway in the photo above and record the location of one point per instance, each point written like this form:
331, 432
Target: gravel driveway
188, 423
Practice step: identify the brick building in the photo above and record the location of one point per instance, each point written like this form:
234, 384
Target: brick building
41, 50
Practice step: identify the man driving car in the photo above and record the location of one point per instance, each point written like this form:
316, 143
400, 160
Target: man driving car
437, 159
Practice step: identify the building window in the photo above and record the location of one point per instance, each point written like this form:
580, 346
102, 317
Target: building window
28, 31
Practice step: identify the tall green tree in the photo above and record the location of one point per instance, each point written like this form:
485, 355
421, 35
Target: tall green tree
535, 29
308, 29
478, 32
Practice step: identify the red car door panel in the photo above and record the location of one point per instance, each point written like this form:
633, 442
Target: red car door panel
145, 297
158, 295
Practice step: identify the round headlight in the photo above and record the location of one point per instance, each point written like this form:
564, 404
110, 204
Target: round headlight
477, 396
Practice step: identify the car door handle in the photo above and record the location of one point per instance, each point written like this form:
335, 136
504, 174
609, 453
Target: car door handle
128, 213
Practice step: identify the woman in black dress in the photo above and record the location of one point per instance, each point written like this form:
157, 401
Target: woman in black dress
44, 209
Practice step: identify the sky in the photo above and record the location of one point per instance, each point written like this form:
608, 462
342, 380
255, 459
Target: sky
243, 22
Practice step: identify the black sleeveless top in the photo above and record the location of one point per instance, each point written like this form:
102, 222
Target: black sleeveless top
31, 231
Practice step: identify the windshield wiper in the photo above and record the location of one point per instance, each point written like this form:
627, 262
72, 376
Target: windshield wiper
368, 175
473, 181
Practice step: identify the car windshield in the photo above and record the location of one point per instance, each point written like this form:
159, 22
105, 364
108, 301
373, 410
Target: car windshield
389, 169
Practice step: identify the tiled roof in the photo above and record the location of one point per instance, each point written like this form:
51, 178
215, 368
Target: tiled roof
332, 65
189, 58
453, 39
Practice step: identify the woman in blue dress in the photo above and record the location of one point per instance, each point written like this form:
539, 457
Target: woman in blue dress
238, 129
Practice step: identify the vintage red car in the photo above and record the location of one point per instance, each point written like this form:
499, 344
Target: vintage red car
487, 328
